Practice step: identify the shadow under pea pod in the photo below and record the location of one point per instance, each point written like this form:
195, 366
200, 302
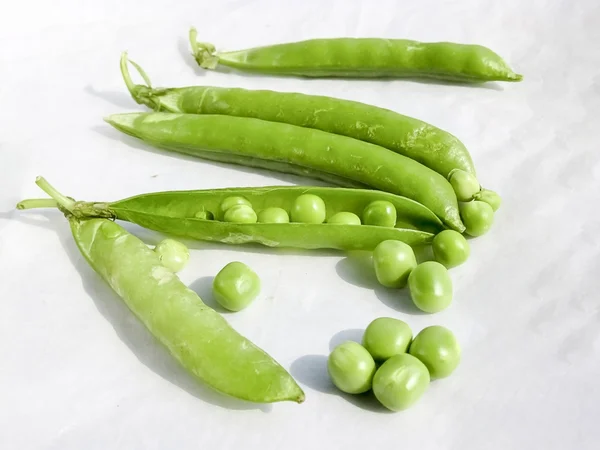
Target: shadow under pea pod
311, 370
130, 330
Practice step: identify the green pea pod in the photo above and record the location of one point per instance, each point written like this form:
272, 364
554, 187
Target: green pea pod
363, 58
197, 336
175, 212
293, 149
418, 140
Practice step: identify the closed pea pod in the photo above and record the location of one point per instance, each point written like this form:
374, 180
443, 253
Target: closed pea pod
199, 338
293, 149
418, 140
363, 58
174, 212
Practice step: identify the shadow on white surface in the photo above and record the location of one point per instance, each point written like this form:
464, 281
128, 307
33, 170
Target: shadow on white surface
120, 99
132, 332
351, 334
203, 287
311, 370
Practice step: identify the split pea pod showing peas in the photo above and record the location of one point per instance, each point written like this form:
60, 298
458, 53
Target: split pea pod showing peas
363, 58
175, 213
288, 148
418, 140
197, 336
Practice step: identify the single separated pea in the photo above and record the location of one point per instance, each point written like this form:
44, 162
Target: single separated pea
273, 215
172, 254
351, 368
345, 218
465, 185
450, 248
490, 197
477, 216
380, 213
400, 382
232, 201
430, 287
438, 349
308, 208
235, 286
240, 214
386, 337
393, 261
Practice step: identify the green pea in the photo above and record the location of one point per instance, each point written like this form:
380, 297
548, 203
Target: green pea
393, 261
386, 337
351, 368
205, 215
234, 200
273, 215
490, 197
240, 214
430, 287
308, 208
400, 382
465, 185
172, 254
345, 218
380, 213
235, 286
477, 216
450, 248
438, 349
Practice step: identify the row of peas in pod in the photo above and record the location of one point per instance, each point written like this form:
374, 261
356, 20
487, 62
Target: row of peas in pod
396, 367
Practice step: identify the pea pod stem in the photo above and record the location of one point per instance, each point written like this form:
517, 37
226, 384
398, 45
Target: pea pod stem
203, 52
37, 203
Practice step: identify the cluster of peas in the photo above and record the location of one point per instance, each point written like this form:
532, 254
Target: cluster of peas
395, 366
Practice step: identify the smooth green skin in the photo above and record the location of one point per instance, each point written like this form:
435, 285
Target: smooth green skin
351, 368
380, 213
173, 212
240, 214
363, 58
477, 216
450, 248
386, 337
204, 215
400, 382
236, 286
489, 197
232, 201
198, 337
172, 254
273, 215
393, 262
438, 349
308, 208
344, 218
430, 287
293, 149
465, 185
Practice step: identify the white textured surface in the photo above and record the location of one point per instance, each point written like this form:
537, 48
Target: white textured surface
76, 369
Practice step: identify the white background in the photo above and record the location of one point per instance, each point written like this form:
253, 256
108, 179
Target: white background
78, 372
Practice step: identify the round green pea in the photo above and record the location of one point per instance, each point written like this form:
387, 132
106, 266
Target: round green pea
172, 254
477, 216
438, 349
273, 215
232, 201
430, 287
386, 337
205, 215
400, 382
240, 214
490, 197
345, 218
308, 208
380, 213
351, 368
235, 286
450, 248
465, 185
393, 261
